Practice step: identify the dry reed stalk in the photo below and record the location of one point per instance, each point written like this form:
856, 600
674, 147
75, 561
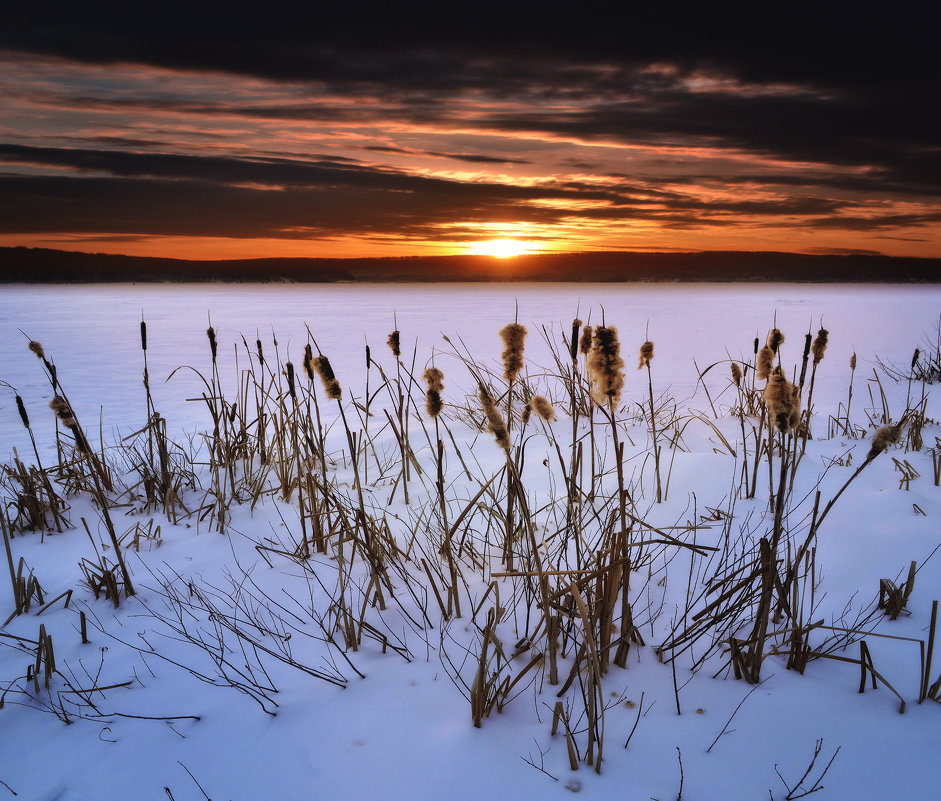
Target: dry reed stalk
646, 355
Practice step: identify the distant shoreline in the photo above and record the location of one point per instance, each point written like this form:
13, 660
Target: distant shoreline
46, 266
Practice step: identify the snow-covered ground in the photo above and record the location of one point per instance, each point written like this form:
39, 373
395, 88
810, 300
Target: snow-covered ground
401, 724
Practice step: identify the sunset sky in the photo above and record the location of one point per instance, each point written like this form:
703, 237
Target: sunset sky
405, 133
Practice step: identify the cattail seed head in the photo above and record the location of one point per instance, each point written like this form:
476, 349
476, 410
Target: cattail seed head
646, 354
513, 336
330, 384
783, 401
819, 346
63, 411
309, 362
915, 357
736, 374
210, 332
853, 362
434, 379
757, 343
542, 407
394, 344
573, 343
775, 340
884, 438
22, 410
37, 348
289, 369
584, 344
526, 413
495, 422
765, 363
261, 355
143, 335
605, 366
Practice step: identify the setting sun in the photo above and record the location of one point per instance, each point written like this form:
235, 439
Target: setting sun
500, 248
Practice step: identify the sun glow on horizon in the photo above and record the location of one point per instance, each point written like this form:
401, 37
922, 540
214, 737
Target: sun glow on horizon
501, 248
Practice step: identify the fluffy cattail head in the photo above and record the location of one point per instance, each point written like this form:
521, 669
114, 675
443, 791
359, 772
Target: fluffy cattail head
394, 344
330, 384
495, 422
853, 362
513, 336
605, 366
584, 344
63, 411
783, 401
736, 374
884, 438
775, 340
646, 354
526, 413
37, 348
819, 345
434, 379
542, 407
765, 363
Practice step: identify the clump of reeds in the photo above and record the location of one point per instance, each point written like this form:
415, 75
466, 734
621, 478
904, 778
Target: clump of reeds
783, 400
323, 368
495, 422
605, 366
513, 336
434, 379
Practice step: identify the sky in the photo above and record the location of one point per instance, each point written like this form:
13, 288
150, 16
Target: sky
408, 131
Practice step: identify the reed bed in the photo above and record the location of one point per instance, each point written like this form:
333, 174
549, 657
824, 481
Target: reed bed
531, 507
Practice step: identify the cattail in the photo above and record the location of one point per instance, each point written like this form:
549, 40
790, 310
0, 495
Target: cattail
883, 438
434, 378
757, 343
605, 366
853, 362
210, 332
542, 407
573, 344
330, 384
820, 345
36, 348
495, 422
646, 354
526, 413
22, 410
915, 356
512, 336
765, 363
289, 368
783, 400
143, 335
736, 374
261, 355
309, 362
775, 340
584, 344
63, 411
393, 343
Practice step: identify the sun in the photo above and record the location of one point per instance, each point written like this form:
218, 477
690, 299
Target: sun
500, 248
